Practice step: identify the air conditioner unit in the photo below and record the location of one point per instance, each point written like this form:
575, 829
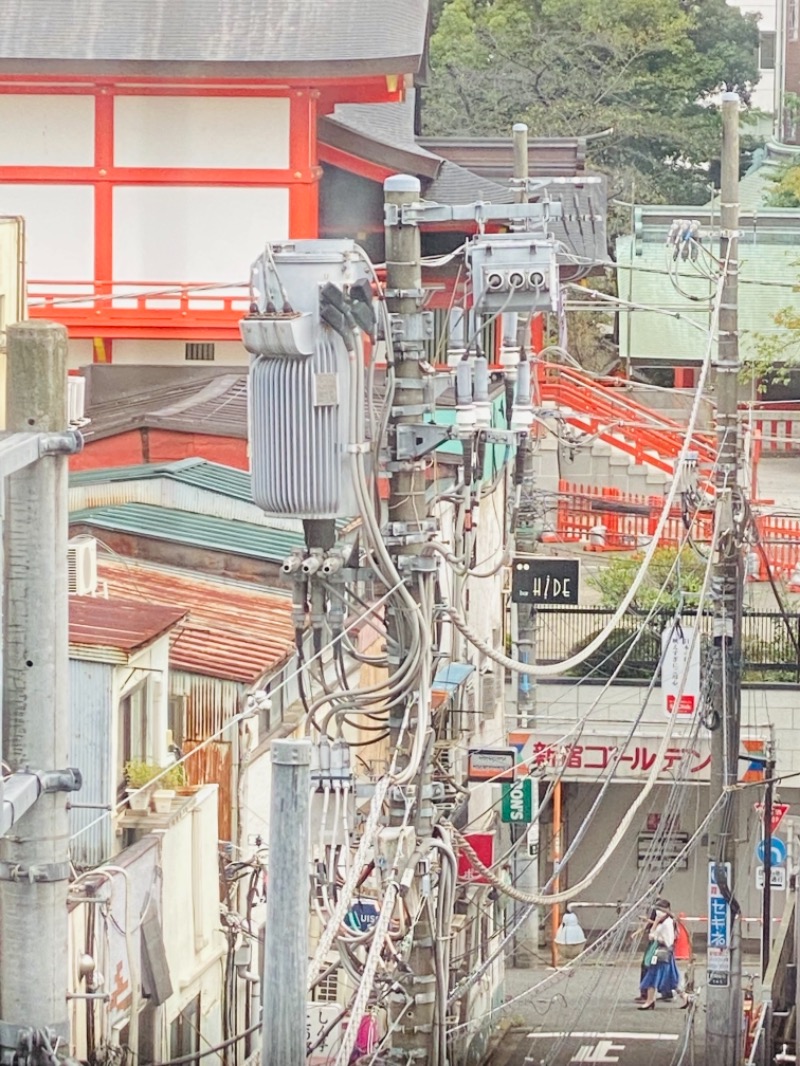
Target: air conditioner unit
82, 566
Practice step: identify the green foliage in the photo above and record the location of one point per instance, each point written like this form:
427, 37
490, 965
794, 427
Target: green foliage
787, 189
643, 70
682, 585
139, 773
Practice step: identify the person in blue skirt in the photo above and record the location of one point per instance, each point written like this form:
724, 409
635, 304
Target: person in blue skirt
660, 971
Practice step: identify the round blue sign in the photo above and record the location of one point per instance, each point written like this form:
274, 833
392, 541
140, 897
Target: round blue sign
777, 850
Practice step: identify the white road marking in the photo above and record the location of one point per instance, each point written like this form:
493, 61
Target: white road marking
599, 1053
603, 1036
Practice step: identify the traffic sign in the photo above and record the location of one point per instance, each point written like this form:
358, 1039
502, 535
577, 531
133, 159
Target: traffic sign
517, 802
779, 811
777, 850
777, 878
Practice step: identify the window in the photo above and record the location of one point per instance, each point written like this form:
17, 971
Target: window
199, 353
766, 59
184, 1033
793, 19
132, 725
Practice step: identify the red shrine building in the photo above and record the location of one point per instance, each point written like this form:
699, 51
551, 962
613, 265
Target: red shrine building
153, 147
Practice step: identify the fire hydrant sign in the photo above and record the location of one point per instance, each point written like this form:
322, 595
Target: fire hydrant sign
679, 648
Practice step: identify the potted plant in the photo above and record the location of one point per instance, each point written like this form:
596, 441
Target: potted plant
138, 775
168, 783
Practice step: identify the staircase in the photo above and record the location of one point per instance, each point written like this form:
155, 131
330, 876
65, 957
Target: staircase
617, 441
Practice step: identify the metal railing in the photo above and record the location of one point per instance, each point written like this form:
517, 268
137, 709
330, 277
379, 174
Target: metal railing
769, 651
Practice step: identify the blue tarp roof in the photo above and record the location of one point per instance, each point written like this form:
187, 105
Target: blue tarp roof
451, 676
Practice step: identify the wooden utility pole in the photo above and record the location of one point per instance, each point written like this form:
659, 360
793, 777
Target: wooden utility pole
724, 1007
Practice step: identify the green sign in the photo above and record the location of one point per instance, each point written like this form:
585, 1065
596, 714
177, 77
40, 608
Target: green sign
517, 805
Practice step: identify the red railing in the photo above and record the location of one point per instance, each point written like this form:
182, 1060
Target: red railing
608, 519
138, 309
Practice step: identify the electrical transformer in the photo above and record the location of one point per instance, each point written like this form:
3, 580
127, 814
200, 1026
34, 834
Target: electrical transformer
513, 272
309, 301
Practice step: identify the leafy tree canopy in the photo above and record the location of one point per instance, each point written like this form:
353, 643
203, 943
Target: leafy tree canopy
646, 70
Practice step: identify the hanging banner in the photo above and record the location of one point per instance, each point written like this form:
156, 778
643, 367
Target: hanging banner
678, 647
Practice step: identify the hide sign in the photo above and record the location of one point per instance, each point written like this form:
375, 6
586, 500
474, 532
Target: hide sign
537, 580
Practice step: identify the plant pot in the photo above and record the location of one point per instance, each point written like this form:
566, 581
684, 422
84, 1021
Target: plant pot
139, 798
162, 800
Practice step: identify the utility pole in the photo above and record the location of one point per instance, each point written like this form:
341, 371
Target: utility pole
286, 950
766, 899
413, 1028
724, 1007
526, 867
34, 853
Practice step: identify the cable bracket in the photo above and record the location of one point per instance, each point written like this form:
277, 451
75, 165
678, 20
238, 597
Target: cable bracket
34, 873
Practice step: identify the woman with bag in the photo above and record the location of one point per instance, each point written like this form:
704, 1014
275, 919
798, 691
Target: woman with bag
661, 975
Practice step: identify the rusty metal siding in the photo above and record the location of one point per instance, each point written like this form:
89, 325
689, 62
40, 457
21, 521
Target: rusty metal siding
91, 747
208, 702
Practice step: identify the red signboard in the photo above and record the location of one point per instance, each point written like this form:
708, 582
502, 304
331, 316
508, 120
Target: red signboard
483, 846
779, 810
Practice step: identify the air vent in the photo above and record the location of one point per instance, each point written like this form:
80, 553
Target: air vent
196, 352
82, 566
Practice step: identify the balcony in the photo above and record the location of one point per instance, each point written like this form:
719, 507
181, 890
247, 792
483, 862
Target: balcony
136, 310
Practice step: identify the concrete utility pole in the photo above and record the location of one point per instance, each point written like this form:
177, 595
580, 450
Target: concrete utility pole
286, 949
724, 1017
526, 867
34, 854
408, 508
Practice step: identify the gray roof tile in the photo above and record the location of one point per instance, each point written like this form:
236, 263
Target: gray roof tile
385, 37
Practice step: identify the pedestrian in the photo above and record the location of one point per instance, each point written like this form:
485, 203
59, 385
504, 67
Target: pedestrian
661, 976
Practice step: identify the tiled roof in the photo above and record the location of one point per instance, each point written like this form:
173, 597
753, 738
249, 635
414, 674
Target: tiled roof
195, 530
123, 624
230, 631
213, 403
384, 134
312, 37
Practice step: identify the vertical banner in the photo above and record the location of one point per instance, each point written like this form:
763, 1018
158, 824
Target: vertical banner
719, 929
677, 650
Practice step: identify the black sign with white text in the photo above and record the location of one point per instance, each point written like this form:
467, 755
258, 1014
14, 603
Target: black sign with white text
545, 581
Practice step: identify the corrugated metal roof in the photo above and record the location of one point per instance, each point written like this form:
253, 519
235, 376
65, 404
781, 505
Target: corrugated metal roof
235, 632
201, 473
197, 530
314, 36
123, 624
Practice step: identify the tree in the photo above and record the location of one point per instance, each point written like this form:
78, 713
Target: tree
645, 71
673, 580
